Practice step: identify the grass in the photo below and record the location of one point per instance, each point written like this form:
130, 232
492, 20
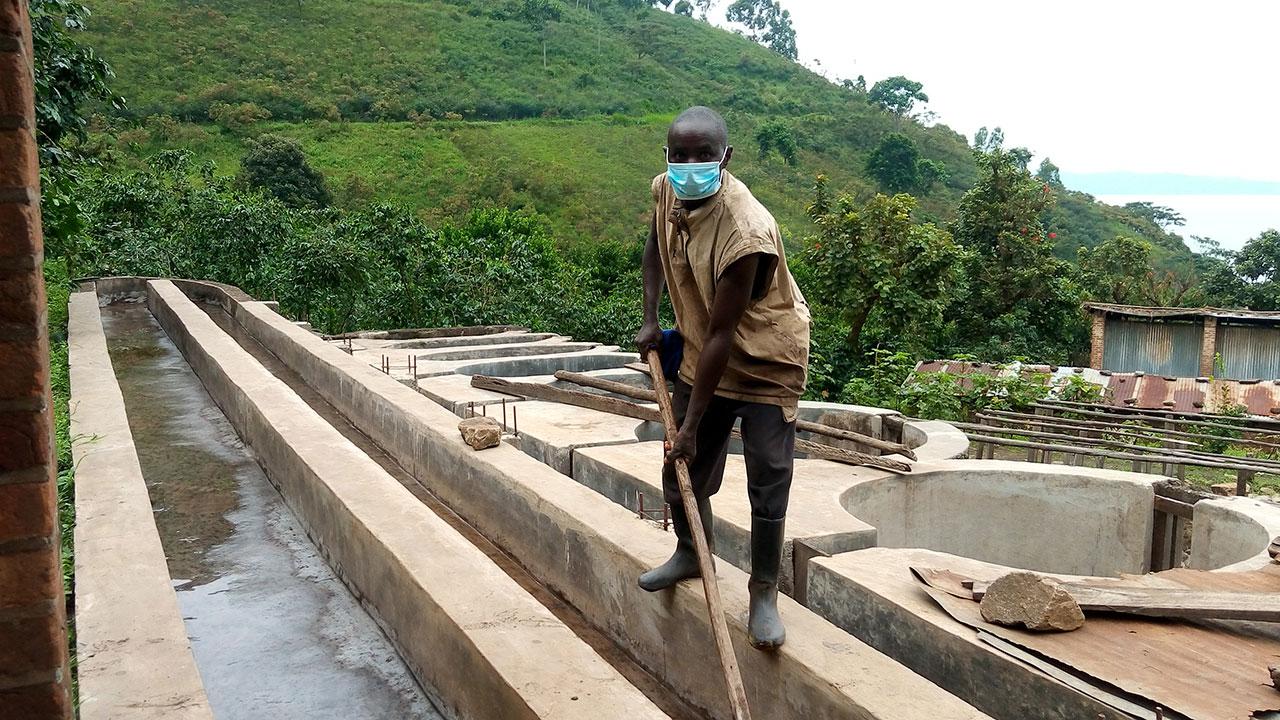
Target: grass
368, 86
58, 289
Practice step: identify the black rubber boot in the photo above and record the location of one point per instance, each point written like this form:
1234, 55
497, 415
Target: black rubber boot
764, 625
684, 561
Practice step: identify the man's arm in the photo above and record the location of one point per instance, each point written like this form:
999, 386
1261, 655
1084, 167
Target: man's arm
733, 295
651, 266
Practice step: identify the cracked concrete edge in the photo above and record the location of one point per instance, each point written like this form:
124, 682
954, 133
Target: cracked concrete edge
590, 550
134, 656
483, 647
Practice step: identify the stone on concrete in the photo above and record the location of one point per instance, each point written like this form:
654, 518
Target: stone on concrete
481, 432
1024, 598
1275, 675
1224, 489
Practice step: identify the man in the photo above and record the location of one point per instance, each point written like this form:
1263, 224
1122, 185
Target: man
745, 328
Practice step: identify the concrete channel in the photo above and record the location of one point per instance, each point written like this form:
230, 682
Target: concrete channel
271, 628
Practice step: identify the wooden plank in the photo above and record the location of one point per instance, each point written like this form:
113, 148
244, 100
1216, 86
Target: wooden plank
1116, 425
603, 403
1174, 507
592, 401
720, 628
1141, 418
647, 395
1159, 540
1115, 455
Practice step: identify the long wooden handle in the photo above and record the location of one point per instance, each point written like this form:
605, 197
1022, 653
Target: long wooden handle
719, 628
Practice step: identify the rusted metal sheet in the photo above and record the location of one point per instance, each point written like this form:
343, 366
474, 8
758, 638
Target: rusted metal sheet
1170, 349
1206, 670
1249, 352
1145, 391
1166, 312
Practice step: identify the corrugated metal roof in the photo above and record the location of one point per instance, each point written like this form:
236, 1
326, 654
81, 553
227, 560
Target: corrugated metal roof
1155, 312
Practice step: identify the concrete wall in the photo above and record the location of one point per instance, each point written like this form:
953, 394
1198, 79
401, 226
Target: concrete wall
1027, 515
591, 550
135, 659
1232, 533
481, 645
34, 675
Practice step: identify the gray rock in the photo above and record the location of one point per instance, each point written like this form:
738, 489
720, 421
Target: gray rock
481, 432
1026, 599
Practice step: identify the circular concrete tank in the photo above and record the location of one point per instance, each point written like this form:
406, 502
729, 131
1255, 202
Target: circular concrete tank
1049, 518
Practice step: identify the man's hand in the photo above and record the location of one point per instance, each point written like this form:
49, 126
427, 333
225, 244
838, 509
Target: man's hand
685, 446
650, 336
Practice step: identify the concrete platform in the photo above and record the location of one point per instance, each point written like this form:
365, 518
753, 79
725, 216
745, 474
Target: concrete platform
468, 630
815, 518
590, 550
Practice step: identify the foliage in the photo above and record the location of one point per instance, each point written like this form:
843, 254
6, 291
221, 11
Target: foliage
897, 95
1117, 271
376, 267
1077, 389
237, 116
889, 381
1249, 277
897, 165
767, 23
777, 135
1160, 215
277, 165
1049, 174
874, 259
1018, 299
68, 77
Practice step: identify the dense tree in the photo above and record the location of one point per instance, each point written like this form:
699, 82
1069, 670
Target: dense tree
684, 7
1165, 217
897, 95
278, 165
766, 23
874, 260
539, 14
1049, 174
1258, 265
858, 86
1117, 271
1018, 299
777, 135
896, 164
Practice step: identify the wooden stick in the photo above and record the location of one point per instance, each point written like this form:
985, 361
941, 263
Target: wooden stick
647, 395
1241, 428
719, 628
592, 401
1257, 423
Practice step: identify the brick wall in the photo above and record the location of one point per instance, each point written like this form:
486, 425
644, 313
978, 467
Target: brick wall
33, 643
1096, 338
1208, 346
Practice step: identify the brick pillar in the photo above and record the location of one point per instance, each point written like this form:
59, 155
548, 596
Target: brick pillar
1096, 339
34, 677
1208, 345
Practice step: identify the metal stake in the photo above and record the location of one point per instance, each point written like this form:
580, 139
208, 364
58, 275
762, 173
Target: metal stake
504, 414
515, 420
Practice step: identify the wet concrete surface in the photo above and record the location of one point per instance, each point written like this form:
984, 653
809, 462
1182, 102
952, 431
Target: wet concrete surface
274, 633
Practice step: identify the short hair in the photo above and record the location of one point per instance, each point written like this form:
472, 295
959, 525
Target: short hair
702, 115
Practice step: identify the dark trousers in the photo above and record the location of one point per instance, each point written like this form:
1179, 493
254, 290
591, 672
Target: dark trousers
768, 448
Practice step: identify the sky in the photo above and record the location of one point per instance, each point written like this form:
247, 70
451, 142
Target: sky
1123, 85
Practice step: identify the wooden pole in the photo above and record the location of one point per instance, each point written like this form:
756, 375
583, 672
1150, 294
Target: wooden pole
719, 628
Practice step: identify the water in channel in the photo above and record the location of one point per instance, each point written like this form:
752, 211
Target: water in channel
274, 632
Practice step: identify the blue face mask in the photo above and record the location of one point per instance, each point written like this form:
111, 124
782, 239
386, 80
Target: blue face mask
695, 181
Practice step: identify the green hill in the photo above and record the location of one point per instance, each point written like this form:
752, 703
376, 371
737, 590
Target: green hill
446, 104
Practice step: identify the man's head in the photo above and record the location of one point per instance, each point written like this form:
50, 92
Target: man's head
699, 135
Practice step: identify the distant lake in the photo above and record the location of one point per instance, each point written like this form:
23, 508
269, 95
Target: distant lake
1230, 219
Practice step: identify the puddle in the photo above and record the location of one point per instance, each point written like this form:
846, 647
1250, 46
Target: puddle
274, 633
